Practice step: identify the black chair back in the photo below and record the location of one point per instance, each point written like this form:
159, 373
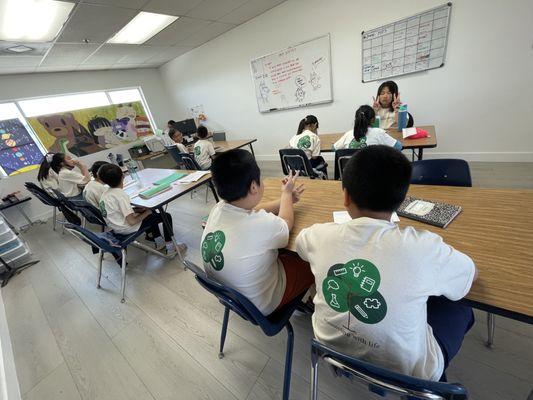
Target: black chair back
296, 160
342, 157
441, 172
41, 194
184, 160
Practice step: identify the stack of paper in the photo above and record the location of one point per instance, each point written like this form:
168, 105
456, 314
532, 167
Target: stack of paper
193, 177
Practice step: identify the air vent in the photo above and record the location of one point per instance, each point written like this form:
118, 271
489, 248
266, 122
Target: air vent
18, 49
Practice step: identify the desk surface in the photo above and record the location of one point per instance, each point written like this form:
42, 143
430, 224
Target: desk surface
494, 229
225, 145
5, 205
327, 139
150, 175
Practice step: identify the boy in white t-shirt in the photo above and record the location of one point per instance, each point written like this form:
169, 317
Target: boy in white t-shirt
92, 192
120, 216
177, 139
384, 294
203, 149
241, 238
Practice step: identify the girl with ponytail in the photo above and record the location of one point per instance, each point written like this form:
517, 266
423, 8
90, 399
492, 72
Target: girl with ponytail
306, 139
363, 134
46, 176
61, 172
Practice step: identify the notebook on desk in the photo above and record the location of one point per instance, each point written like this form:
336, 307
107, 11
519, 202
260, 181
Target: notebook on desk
429, 212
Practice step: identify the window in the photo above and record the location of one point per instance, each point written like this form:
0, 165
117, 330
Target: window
124, 96
57, 104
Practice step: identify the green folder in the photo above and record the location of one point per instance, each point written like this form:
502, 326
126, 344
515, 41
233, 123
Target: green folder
154, 191
169, 179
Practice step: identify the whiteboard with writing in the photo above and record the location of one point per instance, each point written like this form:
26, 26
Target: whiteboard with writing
413, 44
294, 77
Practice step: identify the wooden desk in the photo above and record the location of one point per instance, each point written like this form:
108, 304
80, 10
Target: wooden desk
494, 229
418, 145
225, 145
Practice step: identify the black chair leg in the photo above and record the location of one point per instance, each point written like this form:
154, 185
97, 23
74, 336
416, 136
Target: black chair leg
223, 333
288, 362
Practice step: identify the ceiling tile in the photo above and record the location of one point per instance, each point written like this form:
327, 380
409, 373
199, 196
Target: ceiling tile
178, 31
76, 53
171, 7
95, 22
249, 10
142, 54
210, 32
214, 9
110, 54
58, 68
169, 54
135, 4
84, 67
19, 61
128, 66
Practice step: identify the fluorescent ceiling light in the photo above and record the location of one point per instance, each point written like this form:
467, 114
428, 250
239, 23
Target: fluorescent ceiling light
32, 20
142, 27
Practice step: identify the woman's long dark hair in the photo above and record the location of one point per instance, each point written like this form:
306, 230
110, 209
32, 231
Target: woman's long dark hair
50, 161
363, 119
393, 88
310, 119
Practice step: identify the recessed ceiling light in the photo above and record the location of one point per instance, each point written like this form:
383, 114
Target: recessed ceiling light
142, 27
32, 20
19, 49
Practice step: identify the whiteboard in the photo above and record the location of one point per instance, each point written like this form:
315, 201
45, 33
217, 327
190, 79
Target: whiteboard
413, 44
297, 76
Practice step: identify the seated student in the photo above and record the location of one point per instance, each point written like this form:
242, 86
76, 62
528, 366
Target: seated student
306, 139
241, 239
122, 218
46, 176
203, 149
177, 140
170, 125
386, 294
95, 188
386, 104
363, 134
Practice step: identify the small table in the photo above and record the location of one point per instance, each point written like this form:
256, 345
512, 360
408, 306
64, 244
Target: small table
6, 205
494, 229
225, 145
416, 145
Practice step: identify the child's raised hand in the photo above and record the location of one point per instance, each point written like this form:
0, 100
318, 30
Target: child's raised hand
297, 193
396, 102
288, 183
375, 105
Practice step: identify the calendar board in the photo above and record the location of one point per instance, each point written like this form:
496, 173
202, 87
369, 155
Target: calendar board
413, 44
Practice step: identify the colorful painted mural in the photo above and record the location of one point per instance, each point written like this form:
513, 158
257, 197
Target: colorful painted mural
18, 150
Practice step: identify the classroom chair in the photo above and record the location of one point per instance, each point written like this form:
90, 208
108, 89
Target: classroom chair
46, 198
271, 325
296, 160
380, 381
342, 157
442, 172
88, 212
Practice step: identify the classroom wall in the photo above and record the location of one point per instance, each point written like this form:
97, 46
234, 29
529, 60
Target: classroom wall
479, 101
36, 85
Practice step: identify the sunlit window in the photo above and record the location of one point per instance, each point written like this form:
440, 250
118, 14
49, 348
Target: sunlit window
57, 104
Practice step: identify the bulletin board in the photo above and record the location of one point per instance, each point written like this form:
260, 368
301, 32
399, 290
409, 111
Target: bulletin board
413, 44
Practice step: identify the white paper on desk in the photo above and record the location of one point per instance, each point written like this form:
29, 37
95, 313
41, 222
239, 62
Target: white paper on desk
128, 182
406, 132
192, 177
340, 217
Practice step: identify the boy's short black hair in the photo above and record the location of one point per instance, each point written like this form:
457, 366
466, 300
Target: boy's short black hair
110, 174
377, 178
96, 166
201, 132
172, 132
233, 172
171, 122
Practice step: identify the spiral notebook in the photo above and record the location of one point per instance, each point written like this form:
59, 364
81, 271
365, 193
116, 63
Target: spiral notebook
429, 212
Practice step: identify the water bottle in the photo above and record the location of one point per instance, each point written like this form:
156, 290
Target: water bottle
402, 117
132, 169
111, 158
120, 160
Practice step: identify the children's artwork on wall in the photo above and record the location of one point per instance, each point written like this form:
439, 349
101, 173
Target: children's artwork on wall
87, 131
18, 150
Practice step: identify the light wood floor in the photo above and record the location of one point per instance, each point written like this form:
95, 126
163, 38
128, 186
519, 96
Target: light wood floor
72, 341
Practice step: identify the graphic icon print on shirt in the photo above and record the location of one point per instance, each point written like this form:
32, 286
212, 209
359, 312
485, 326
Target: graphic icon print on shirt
197, 151
354, 144
354, 287
304, 143
102, 209
212, 249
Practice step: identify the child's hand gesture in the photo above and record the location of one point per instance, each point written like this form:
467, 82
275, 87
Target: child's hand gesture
297, 193
288, 183
376, 104
396, 102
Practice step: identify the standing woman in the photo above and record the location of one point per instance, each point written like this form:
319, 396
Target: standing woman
386, 104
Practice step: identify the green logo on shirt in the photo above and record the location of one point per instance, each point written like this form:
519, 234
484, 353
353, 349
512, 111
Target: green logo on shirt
197, 151
357, 144
304, 143
212, 249
354, 287
101, 205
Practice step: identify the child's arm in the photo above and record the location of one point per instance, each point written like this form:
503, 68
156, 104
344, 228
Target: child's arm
273, 206
286, 210
134, 218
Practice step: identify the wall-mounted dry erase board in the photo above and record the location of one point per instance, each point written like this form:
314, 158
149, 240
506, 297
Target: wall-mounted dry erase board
413, 44
297, 76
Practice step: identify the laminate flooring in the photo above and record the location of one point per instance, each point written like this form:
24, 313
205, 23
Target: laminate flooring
72, 341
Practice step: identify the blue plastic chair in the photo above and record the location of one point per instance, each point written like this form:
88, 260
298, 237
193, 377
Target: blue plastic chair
45, 197
89, 212
183, 159
342, 156
106, 242
443, 172
236, 302
381, 381
296, 160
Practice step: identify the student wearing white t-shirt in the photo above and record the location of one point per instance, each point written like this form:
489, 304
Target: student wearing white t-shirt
71, 174
363, 134
386, 104
385, 294
177, 140
306, 139
93, 191
46, 176
241, 238
203, 149
120, 216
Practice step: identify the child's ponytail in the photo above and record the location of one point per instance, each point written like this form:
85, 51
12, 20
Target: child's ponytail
363, 119
301, 126
310, 119
44, 168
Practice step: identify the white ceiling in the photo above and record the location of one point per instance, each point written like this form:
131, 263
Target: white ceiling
98, 20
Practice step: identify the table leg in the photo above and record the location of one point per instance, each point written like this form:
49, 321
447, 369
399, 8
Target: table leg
420, 153
167, 224
215, 195
30, 222
252, 149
